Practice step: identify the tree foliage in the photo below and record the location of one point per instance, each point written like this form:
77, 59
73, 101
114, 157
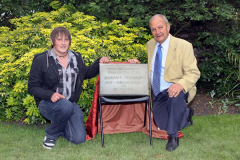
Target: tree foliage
119, 35
183, 14
10, 9
91, 38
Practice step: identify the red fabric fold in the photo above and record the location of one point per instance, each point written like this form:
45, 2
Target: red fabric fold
121, 118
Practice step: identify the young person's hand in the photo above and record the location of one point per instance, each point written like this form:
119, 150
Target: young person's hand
56, 96
104, 60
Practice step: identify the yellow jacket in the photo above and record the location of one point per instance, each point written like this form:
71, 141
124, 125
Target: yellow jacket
181, 64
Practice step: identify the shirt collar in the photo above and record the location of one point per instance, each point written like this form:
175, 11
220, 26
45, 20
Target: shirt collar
52, 53
166, 43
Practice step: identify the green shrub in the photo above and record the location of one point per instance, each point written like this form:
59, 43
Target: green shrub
91, 38
217, 71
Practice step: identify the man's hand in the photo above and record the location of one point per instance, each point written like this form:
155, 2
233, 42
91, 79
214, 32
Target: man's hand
133, 60
104, 60
56, 96
174, 90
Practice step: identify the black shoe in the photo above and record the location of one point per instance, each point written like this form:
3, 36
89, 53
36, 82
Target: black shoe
191, 113
173, 143
48, 143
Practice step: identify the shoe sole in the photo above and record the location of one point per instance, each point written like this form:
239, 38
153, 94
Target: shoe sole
47, 147
170, 150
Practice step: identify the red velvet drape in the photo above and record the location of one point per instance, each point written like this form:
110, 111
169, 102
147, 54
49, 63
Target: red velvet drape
121, 118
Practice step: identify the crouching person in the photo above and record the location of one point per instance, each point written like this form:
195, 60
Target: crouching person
55, 81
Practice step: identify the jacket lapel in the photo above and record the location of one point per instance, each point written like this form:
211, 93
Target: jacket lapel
171, 53
53, 65
151, 49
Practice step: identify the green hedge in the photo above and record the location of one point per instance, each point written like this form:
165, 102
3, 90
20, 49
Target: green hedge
91, 38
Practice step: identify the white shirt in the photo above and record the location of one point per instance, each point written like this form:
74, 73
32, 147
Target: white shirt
165, 45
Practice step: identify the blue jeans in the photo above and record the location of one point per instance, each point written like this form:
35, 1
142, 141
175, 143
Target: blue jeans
66, 120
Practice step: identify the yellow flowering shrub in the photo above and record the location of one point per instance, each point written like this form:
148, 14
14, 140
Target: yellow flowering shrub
31, 35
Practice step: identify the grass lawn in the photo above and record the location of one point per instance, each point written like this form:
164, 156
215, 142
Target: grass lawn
211, 137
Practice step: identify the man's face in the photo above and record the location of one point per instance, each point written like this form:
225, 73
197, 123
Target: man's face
159, 29
60, 44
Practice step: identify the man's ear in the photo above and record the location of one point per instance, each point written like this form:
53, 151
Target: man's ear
168, 27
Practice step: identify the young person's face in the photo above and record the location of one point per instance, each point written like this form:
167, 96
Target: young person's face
60, 44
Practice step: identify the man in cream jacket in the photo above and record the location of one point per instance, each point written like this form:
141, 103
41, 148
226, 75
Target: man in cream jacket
173, 74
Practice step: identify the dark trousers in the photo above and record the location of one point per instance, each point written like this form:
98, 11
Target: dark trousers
170, 114
66, 120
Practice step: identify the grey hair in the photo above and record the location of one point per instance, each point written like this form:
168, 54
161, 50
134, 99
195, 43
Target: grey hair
159, 15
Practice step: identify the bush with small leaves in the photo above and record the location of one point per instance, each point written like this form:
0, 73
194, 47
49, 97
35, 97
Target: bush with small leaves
91, 38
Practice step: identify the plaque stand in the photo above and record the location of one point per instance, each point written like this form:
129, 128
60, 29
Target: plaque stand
146, 99
124, 83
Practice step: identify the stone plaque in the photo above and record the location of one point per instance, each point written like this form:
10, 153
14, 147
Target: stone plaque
123, 79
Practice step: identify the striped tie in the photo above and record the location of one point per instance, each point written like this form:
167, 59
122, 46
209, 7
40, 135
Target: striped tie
157, 71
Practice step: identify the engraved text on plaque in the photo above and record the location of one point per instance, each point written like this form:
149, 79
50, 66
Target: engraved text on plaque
123, 79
